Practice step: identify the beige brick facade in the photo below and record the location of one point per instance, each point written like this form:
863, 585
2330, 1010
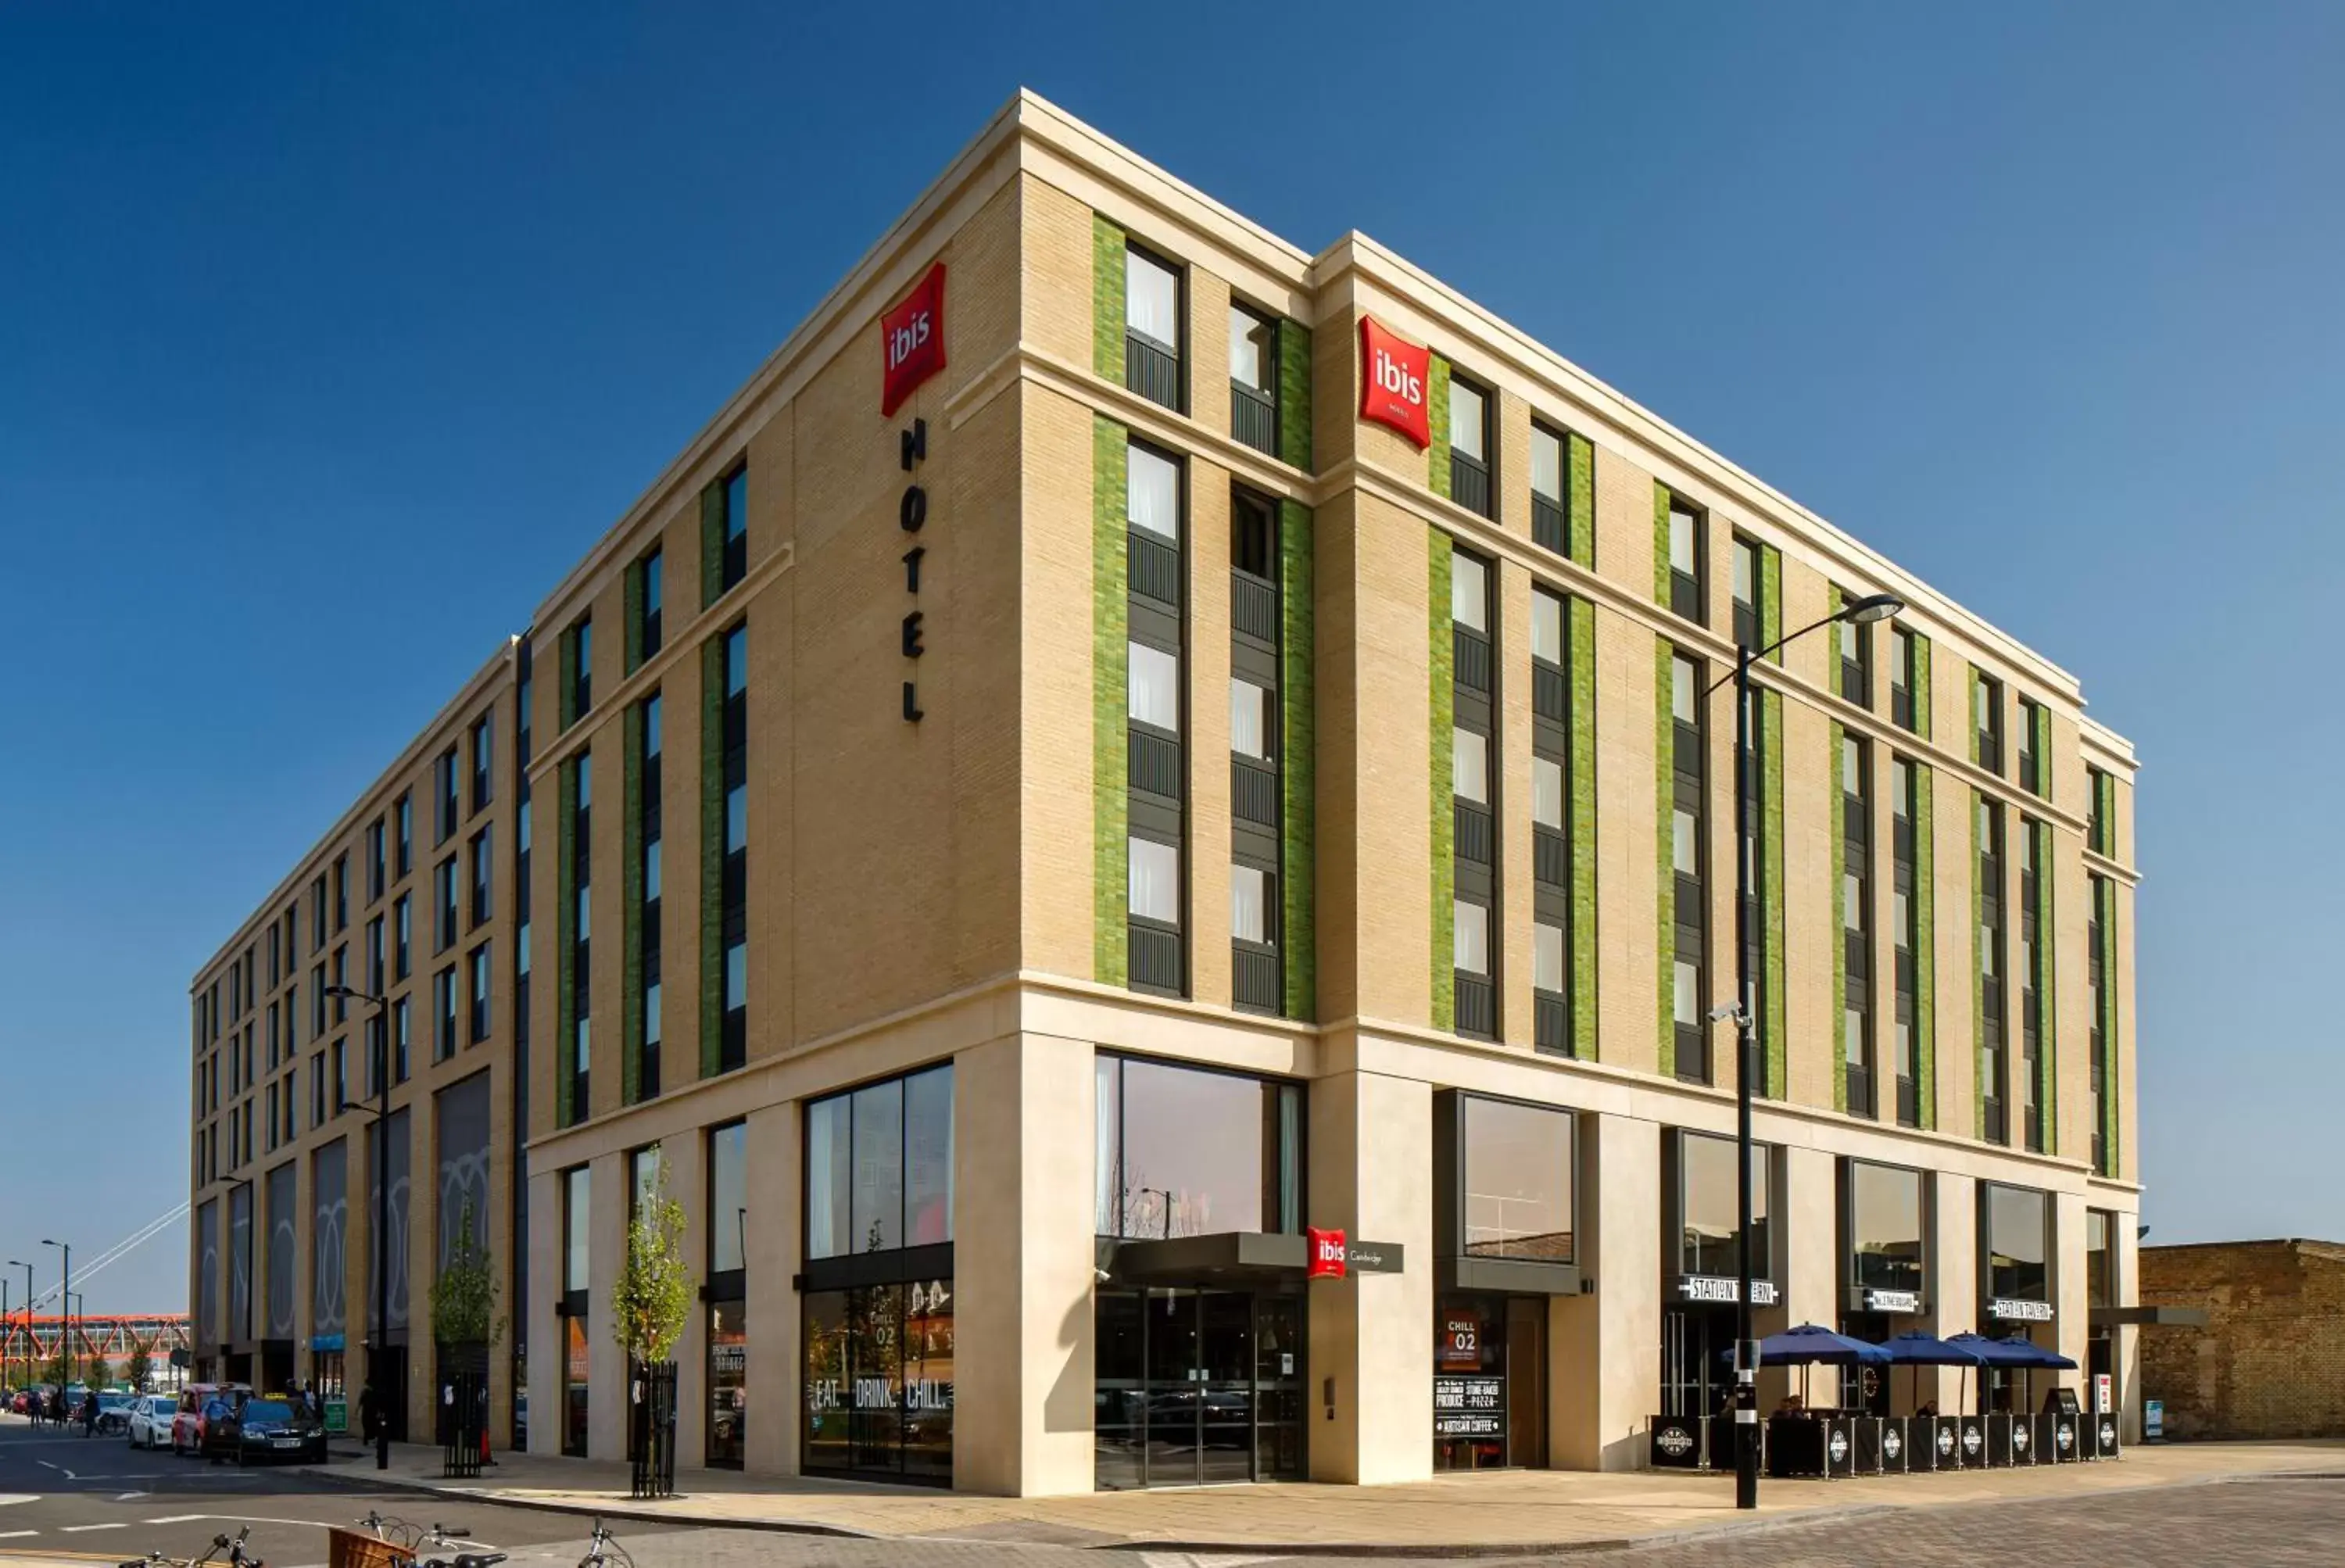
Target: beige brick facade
919, 892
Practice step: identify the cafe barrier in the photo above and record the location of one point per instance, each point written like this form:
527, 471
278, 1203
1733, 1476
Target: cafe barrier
1832, 1445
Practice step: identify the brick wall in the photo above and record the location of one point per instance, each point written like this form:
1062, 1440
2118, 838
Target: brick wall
2270, 1362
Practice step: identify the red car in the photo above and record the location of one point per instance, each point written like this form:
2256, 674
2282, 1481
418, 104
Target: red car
198, 1403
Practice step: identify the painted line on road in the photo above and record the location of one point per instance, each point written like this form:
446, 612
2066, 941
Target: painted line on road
16, 1534
84, 1529
9, 1497
178, 1519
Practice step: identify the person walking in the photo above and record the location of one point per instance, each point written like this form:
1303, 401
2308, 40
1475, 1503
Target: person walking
89, 1415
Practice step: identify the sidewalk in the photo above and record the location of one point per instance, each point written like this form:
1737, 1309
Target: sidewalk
1504, 1511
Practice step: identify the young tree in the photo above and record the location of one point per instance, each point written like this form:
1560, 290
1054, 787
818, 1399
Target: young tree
98, 1371
651, 1299
464, 1296
141, 1370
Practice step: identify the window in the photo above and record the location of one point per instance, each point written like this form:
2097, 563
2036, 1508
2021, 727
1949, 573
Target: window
1746, 594
2100, 821
1690, 911
1153, 492
1470, 937
1884, 1231
443, 1015
1708, 1202
1550, 506
400, 926
1154, 681
317, 931
480, 1020
342, 894
1471, 767
1253, 720
375, 868
443, 779
1469, 446
2034, 863
1250, 904
650, 787
483, 861
879, 1167
1552, 849
400, 1037
1515, 1185
1151, 319
1905, 936
1469, 594
652, 576
736, 527
1254, 378
374, 979
404, 813
1685, 560
1156, 1178
443, 883
582, 676
1903, 677
1546, 794
1854, 643
2015, 1233
1986, 719
341, 984
2100, 1258
1473, 837
1155, 882
1856, 925
2034, 777
1547, 958
1994, 1065
525, 664
733, 880
2100, 965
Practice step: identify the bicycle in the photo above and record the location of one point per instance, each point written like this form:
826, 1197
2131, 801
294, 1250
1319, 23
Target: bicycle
236, 1556
603, 1550
413, 1540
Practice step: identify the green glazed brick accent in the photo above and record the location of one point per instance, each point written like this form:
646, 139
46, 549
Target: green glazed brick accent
1443, 703
632, 593
1837, 878
1583, 828
1978, 961
1660, 544
2047, 1031
1581, 452
1110, 613
1922, 686
1970, 718
712, 543
565, 940
1295, 393
1770, 599
1774, 1020
1437, 420
712, 855
631, 907
2105, 894
2105, 814
1925, 948
1664, 824
1108, 268
1834, 601
1298, 859
568, 691
2040, 723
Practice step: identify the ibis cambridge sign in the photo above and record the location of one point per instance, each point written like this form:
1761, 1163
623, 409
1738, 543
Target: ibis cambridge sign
912, 340
1395, 379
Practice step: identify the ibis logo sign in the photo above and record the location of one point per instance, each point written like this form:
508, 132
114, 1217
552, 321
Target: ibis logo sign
1394, 377
1326, 1253
912, 340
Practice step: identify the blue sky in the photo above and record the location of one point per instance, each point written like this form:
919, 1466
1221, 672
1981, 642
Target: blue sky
329, 336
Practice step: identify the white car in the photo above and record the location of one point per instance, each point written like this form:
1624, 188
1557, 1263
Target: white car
150, 1420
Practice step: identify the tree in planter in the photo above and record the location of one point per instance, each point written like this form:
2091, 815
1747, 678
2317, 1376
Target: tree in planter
650, 1304
464, 1319
141, 1370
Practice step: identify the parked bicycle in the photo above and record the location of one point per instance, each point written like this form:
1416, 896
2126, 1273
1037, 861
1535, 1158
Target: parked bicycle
412, 1541
236, 1555
603, 1550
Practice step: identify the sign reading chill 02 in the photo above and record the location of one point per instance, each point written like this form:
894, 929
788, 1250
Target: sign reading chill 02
912, 349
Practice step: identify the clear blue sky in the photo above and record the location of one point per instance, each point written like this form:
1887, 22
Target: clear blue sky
329, 336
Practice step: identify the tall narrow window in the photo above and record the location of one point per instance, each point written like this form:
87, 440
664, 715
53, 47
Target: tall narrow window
484, 750
1550, 504
1256, 630
1551, 849
403, 813
578, 1054
1689, 832
1906, 937
446, 809
1746, 594
2033, 775
652, 576
443, 905
1686, 557
1152, 328
443, 1015
341, 895
375, 868
1856, 923
736, 525
1469, 446
581, 695
1903, 676
1986, 721
2099, 969
2034, 863
484, 861
1854, 648
647, 917
1472, 807
734, 1042
1254, 378
403, 935
1993, 1064
1155, 709
479, 1030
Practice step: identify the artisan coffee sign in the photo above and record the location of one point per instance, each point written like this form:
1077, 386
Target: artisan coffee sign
1713, 1288
1468, 1407
912, 340
1395, 379
2009, 1311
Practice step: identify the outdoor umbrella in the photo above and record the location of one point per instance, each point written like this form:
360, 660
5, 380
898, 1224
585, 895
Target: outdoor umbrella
1918, 1349
1996, 1353
2028, 1355
1813, 1345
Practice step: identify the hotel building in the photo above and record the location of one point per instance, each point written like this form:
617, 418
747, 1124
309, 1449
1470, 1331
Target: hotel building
1174, 746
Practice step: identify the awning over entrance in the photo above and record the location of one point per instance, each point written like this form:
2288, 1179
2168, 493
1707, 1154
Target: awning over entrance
1230, 1255
2149, 1316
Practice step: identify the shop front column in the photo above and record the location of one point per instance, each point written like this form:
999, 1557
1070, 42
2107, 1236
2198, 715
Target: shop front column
541, 1323
1604, 1361
2073, 1319
1371, 1335
1023, 1256
774, 1181
606, 1256
1952, 1273
2125, 1355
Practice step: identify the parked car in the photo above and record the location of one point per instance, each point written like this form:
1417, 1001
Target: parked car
257, 1430
113, 1412
149, 1420
199, 1403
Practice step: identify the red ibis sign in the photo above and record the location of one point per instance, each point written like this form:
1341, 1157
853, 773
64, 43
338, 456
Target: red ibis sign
912, 340
1326, 1253
1394, 379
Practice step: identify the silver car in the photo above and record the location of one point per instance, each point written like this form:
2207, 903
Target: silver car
150, 1420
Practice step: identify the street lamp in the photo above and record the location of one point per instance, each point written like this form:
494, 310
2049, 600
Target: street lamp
64, 1306
380, 1357
1859, 612
32, 1374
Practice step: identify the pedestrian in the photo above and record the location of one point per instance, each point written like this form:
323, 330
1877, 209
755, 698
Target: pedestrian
368, 1418
89, 1415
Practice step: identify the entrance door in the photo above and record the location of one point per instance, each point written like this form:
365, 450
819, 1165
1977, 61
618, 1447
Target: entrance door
1214, 1379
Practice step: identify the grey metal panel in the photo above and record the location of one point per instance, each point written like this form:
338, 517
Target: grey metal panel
277, 1200
330, 1208
461, 1113
1508, 1276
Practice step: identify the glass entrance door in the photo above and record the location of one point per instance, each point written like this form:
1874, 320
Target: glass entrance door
1198, 1387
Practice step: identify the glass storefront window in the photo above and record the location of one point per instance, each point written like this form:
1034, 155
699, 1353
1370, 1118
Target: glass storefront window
2100, 1258
1884, 1226
879, 1167
1708, 1202
1489, 1381
728, 1195
1519, 1196
574, 1375
729, 1365
2017, 1242
879, 1381
576, 1211
1182, 1151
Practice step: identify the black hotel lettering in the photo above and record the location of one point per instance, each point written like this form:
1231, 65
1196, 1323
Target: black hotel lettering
912, 516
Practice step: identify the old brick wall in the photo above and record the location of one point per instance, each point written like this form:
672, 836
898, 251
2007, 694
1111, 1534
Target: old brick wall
2270, 1362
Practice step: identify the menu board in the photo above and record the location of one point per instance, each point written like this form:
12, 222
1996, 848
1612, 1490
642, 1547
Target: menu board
1469, 1407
